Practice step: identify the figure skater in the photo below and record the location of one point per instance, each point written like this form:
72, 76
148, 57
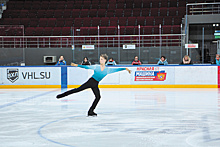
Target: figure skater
99, 73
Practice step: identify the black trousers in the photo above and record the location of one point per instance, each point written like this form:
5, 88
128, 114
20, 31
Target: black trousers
91, 83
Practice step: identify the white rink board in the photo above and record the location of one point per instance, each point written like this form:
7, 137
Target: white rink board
196, 75
30, 76
175, 75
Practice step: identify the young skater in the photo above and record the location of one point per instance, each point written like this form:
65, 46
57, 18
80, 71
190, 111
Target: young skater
99, 73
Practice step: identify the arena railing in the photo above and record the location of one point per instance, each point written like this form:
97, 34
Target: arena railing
97, 40
202, 8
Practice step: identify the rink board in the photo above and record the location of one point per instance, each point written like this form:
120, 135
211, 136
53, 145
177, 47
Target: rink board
150, 76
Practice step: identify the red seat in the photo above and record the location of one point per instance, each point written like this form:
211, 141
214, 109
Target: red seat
67, 13
66, 31
155, 4
69, 22
176, 29
173, 4
87, 5
164, 4
113, 21
103, 5
34, 22
129, 30
39, 31
147, 30
131, 21
49, 14
58, 13
156, 30
122, 30
87, 22
78, 22
168, 20
136, 12
141, 21
25, 22
154, 12
158, 20
120, 5
118, 12
163, 11
95, 21
172, 11
122, 21
78, 5
93, 13
146, 4
112, 6
84, 31
105, 21
36, 5
45, 5
57, 31
95, 6
101, 12
166, 29
138, 4
84, 13
23, 14
43, 22
129, 4
16, 21
75, 13
127, 12
110, 13
52, 22
69, 5
40, 14
102, 30
60, 22
183, 3
181, 11
93, 31
29, 31
177, 20
149, 21
61, 5
112, 30
48, 31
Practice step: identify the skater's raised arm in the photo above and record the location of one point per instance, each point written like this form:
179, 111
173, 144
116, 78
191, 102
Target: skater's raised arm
83, 66
129, 71
112, 70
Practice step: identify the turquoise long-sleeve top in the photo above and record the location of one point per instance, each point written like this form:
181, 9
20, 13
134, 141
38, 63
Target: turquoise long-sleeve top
98, 74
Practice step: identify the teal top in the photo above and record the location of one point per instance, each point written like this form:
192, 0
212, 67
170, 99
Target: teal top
98, 74
217, 62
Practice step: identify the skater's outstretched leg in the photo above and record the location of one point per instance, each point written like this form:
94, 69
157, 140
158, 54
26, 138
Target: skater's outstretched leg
94, 104
82, 87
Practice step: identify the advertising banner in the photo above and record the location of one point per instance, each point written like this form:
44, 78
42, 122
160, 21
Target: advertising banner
30, 76
88, 47
153, 75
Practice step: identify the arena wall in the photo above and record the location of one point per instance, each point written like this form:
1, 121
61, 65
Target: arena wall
145, 76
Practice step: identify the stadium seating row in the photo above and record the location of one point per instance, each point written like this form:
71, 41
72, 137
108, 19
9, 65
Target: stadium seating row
113, 4
66, 31
77, 13
92, 22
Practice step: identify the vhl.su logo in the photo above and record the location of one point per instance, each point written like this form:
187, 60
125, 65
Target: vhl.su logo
12, 75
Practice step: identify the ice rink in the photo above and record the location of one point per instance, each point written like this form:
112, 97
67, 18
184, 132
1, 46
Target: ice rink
126, 118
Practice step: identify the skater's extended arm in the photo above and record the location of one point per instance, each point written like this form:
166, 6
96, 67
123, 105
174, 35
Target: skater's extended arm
112, 70
83, 66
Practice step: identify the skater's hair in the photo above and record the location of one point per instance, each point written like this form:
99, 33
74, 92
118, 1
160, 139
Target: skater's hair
163, 57
104, 56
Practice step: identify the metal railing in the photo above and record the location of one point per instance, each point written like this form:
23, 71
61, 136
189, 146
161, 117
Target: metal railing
202, 8
98, 41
